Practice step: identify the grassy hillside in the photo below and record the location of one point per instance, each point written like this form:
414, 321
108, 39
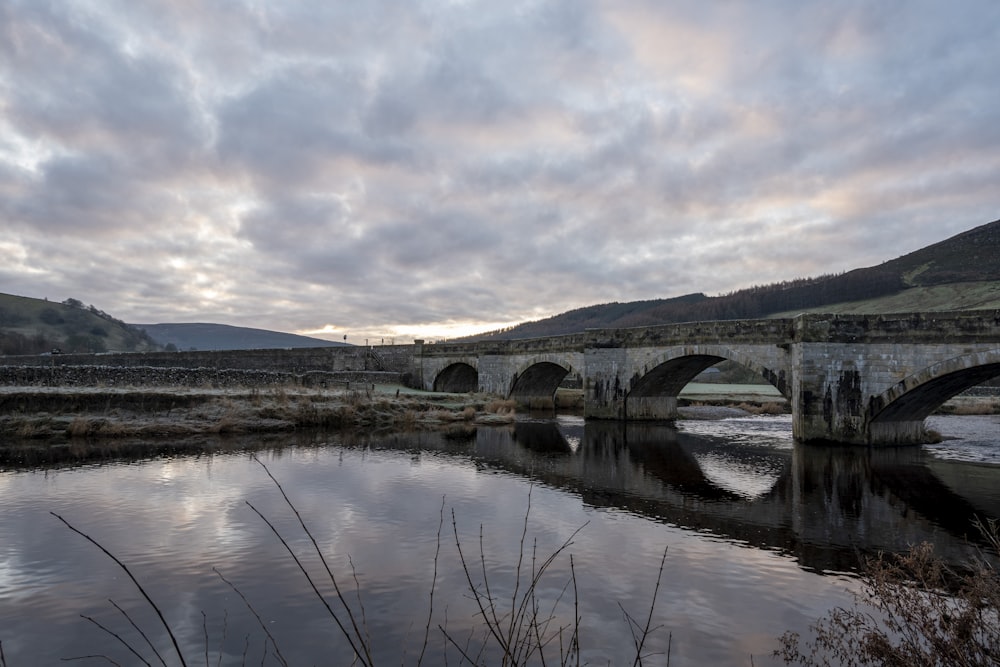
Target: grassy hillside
36, 326
204, 336
33, 326
962, 272
983, 295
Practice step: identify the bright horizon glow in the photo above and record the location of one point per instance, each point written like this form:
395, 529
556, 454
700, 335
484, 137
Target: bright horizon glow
404, 334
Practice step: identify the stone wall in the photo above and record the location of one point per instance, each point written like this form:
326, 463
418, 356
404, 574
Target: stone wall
289, 360
145, 376
310, 366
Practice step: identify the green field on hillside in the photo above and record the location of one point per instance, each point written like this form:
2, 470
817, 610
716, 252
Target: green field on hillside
32, 326
953, 296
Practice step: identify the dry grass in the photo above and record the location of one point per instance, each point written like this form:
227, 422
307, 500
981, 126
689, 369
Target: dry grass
500, 406
765, 408
91, 427
971, 405
31, 428
913, 610
276, 409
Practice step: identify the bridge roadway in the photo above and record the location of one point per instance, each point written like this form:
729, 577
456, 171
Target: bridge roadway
855, 379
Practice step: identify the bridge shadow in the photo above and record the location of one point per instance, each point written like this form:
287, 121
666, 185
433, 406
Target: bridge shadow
826, 506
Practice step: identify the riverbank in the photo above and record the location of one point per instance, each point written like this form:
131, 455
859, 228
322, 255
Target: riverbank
61, 414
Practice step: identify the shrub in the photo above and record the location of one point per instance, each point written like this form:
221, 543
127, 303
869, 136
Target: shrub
912, 610
501, 407
51, 317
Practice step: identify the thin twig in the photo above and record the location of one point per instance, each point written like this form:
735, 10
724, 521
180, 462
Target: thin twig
521, 631
120, 639
451, 640
343, 630
99, 656
520, 559
430, 605
575, 639
260, 621
649, 618
361, 605
225, 631
204, 629
139, 630
319, 552
489, 596
477, 596
180, 655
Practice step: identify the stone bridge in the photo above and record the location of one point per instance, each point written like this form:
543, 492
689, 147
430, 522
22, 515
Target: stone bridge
857, 379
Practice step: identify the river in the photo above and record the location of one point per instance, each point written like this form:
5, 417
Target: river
761, 536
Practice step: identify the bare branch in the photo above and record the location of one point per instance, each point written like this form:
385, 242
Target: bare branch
180, 654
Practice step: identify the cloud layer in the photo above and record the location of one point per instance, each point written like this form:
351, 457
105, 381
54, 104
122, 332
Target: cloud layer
402, 168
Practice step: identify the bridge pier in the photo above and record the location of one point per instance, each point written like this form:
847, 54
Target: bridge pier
603, 387
651, 408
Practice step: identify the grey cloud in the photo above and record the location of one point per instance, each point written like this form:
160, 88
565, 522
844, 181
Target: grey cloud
83, 92
92, 195
286, 126
375, 163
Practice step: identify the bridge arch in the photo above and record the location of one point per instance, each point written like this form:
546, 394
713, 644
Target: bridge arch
535, 381
652, 393
672, 370
904, 406
457, 378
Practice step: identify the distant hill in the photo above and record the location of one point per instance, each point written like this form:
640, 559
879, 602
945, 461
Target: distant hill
205, 336
35, 326
962, 272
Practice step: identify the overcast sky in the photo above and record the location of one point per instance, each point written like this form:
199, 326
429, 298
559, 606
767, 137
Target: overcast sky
431, 167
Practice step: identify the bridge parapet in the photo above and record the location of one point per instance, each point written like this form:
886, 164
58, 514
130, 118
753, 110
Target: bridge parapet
776, 331
978, 326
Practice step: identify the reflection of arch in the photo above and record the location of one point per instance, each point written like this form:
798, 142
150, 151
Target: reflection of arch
542, 437
457, 378
673, 370
915, 397
538, 378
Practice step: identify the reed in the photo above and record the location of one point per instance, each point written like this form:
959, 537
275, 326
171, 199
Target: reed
522, 627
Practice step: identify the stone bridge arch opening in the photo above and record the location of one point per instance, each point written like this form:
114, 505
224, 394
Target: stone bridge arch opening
897, 415
653, 395
535, 386
457, 378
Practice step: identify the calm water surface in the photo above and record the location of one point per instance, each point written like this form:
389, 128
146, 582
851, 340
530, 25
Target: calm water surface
761, 537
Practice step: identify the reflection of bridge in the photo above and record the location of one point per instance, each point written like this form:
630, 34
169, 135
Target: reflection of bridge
860, 379
827, 506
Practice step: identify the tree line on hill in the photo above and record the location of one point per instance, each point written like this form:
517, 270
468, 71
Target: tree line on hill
68, 327
752, 303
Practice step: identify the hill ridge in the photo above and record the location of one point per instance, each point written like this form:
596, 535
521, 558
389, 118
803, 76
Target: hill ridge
970, 258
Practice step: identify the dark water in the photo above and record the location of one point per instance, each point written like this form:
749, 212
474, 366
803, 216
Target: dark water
761, 536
